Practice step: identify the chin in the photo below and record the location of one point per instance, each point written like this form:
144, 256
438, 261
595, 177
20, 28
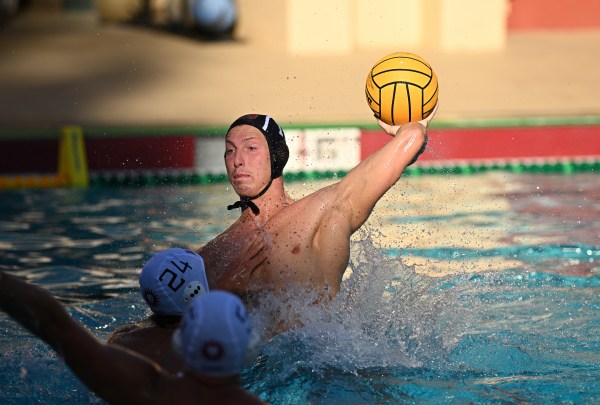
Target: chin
242, 190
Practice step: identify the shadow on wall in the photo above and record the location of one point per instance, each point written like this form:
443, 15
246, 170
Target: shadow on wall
200, 19
10, 8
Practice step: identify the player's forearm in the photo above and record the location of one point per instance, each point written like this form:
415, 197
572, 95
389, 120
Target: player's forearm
378, 172
405, 145
33, 308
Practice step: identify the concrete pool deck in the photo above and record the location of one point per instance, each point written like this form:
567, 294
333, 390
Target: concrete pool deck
68, 68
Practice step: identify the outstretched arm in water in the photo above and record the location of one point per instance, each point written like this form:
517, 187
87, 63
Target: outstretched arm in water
113, 373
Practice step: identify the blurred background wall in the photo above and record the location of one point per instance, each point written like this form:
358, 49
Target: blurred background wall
304, 27
141, 69
151, 62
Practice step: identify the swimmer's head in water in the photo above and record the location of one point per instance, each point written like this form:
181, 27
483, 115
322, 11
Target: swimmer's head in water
278, 149
171, 280
214, 335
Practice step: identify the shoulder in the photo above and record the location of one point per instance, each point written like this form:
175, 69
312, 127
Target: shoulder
331, 199
129, 331
314, 211
322, 196
227, 236
118, 334
324, 202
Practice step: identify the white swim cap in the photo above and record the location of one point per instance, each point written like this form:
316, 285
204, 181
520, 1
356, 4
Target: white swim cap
171, 279
214, 334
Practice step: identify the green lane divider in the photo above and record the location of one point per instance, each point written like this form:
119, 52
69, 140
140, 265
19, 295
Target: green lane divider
145, 179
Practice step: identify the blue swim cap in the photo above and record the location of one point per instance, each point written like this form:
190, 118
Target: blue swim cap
171, 279
214, 335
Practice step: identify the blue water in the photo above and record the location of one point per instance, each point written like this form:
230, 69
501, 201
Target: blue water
475, 289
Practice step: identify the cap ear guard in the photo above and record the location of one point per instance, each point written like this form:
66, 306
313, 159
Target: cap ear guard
278, 148
279, 158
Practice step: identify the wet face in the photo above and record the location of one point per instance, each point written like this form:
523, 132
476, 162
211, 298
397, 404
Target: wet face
247, 160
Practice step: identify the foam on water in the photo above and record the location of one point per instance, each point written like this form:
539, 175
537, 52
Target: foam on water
386, 316
395, 335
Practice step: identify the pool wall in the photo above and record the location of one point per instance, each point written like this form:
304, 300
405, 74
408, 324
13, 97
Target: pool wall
187, 155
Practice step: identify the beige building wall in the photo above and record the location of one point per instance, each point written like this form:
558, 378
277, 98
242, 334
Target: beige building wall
263, 23
319, 26
307, 27
472, 25
389, 24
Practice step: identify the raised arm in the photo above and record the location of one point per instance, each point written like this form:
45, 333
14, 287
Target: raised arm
364, 185
113, 373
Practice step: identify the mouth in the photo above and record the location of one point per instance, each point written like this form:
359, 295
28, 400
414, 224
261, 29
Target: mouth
240, 176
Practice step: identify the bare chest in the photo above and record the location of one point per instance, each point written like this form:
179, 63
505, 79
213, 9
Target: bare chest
289, 246
301, 249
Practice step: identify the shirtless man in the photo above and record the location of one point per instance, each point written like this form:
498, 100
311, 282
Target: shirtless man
214, 323
307, 241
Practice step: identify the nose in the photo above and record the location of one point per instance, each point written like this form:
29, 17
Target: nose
238, 159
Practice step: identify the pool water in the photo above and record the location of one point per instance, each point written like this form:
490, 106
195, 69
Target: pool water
481, 289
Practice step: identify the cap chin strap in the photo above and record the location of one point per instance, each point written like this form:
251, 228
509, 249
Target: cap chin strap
246, 202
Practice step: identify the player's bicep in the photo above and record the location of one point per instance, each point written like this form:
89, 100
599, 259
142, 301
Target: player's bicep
343, 213
354, 201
